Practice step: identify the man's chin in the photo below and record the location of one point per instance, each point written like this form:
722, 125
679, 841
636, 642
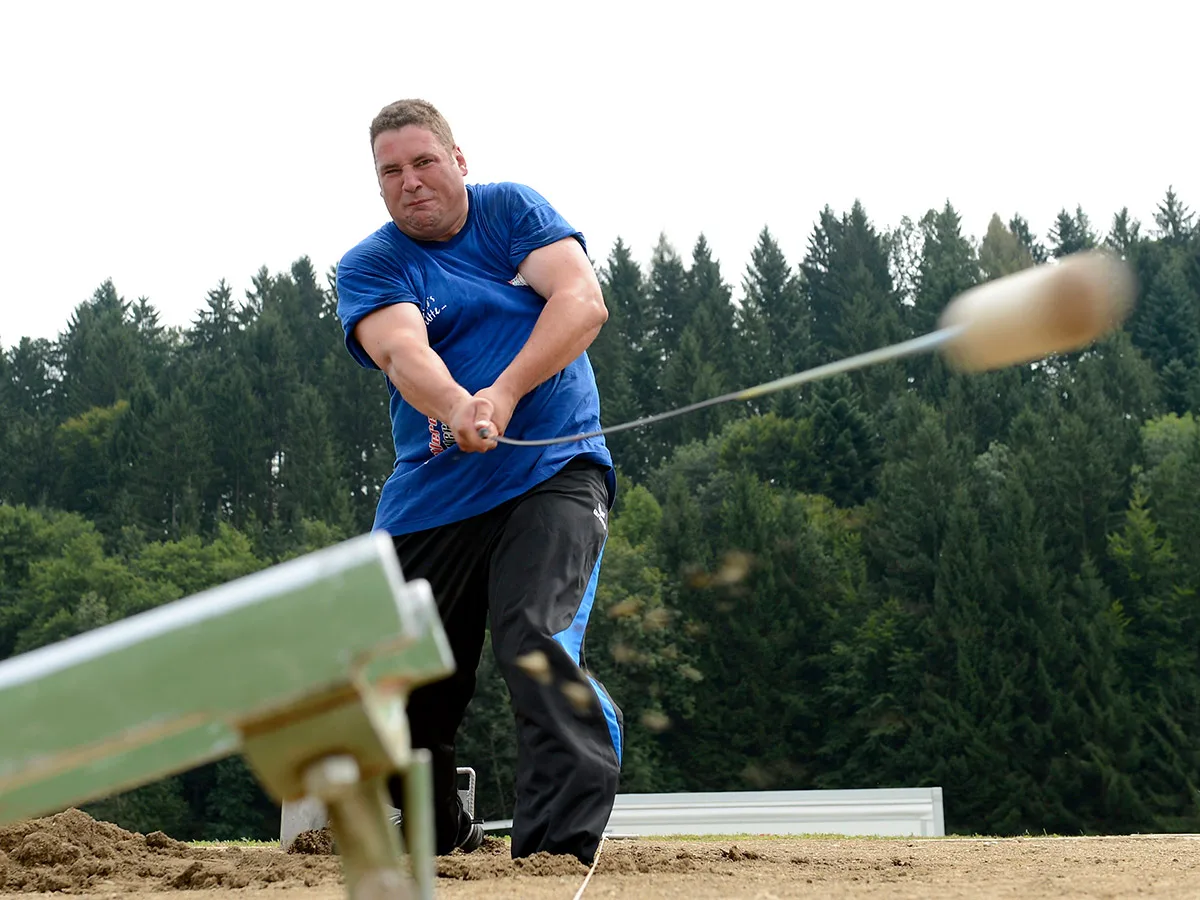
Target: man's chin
424, 228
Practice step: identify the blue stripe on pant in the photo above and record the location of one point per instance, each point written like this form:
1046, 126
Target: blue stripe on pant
571, 640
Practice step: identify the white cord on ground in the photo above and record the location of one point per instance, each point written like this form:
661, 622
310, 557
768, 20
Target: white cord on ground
591, 871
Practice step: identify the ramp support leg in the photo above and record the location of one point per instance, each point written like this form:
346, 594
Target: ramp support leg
368, 843
419, 821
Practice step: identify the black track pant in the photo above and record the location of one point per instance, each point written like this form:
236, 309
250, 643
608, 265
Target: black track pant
531, 566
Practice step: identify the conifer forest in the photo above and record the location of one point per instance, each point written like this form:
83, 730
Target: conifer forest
901, 577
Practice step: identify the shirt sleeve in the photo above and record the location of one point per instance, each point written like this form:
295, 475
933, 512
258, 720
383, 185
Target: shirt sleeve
534, 223
366, 283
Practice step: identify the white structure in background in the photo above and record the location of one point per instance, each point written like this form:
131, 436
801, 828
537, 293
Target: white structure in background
884, 812
898, 812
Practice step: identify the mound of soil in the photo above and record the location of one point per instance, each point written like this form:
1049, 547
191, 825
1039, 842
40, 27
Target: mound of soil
492, 860
644, 858
73, 852
313, 843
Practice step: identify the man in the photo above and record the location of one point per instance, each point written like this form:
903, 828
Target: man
479, 302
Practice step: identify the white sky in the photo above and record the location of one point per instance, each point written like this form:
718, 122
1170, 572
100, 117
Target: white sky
169, 145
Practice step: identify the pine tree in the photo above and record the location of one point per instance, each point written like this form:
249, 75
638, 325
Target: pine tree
213, 327
907, 524
101, 353
846, 443
1161, 658
691, 376
1176, 222
1002, 252
311, 485
773, 328
670, 379
639, 325
1020, 229
904, 255
157, 345
230, 409
30, 401
1017, 651
1077, 475
1071, 233
948, 267
273, 371
670, 301
848, 285
1125, 234
1108, 799
713, 313
1166, 323
310, 316
174, 464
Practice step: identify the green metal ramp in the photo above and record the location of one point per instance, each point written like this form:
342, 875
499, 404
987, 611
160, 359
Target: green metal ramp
304, 668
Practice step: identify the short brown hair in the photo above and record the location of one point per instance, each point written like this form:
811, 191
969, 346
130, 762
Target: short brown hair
396, 115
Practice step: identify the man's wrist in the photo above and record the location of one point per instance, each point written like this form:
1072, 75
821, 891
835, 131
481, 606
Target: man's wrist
453, 400
506, 384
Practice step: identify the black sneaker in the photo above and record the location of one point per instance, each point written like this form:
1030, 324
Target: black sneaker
468, 841
473, 839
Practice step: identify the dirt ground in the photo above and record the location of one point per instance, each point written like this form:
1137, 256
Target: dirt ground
73, 854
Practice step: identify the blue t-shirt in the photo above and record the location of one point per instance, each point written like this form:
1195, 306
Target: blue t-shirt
478, 313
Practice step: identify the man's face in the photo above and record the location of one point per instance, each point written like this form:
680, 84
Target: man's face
422, 183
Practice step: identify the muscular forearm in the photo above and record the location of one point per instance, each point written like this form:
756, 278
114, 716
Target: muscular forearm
565, 328
423, 379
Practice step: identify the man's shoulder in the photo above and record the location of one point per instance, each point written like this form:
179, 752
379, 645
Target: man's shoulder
510, 192
380, 243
